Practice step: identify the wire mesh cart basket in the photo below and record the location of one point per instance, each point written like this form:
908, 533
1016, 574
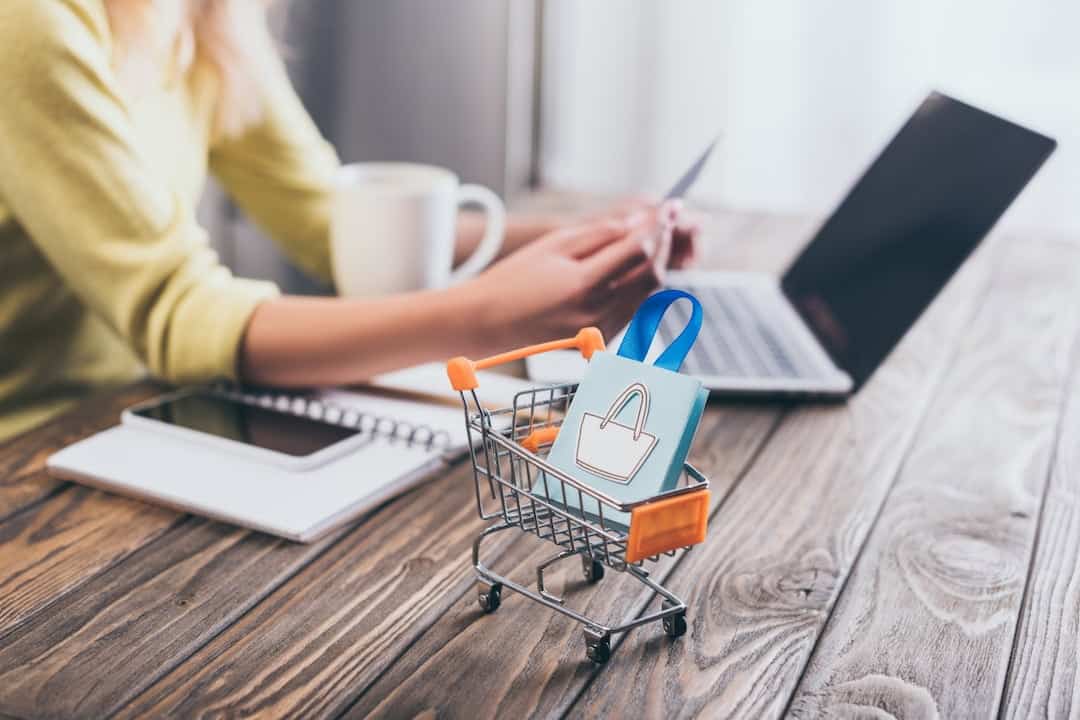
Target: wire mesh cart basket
517, 487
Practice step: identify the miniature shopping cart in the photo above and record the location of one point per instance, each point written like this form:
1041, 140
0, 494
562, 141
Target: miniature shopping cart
515, 484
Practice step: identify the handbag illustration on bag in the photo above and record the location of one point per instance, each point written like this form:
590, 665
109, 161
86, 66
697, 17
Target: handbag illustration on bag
613, 450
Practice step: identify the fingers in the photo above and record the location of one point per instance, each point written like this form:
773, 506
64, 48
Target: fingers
685, 245
599, 290
580, 241
662, 256
624, 298
685, 248
630, 288
636, 286
670, 211
636, 262
608, 261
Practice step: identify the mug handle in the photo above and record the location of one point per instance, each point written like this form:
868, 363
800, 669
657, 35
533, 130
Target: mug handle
489, 245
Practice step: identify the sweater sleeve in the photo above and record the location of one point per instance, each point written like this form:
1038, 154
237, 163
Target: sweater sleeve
281, 171
73, 175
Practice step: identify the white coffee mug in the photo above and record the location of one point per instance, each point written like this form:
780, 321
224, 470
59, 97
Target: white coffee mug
393, 227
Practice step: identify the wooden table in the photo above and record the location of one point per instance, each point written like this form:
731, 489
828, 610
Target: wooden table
914, 552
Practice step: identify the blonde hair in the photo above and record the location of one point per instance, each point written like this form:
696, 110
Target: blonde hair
152, 37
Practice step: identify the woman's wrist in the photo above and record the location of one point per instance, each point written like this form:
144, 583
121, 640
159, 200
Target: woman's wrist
520, 231
523, 229
465, 318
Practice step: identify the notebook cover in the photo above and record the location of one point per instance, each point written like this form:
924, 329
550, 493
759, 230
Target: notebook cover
203, 480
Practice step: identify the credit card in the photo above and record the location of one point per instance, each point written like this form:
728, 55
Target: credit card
691, 175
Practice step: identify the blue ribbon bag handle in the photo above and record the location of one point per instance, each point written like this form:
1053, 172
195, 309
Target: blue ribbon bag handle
646, 322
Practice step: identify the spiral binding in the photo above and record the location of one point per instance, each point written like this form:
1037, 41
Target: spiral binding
379, 425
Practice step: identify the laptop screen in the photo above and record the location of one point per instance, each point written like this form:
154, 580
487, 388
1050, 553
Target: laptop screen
906, 227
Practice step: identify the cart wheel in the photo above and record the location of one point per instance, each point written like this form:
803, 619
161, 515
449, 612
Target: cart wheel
593, 570
675, 625
598, 650
490, 599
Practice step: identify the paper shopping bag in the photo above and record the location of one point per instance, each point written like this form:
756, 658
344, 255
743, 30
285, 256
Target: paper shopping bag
630, 425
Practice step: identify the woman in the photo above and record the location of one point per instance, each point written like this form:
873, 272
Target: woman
114, 110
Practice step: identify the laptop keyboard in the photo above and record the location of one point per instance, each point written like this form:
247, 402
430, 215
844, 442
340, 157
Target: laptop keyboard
740, 338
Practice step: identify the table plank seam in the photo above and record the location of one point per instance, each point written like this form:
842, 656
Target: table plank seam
23, 458
114, 562
744, 469
932, 380
671, 569
847, 667
867, 556
913, 433
912, 438
256, 600
1071, 384
942, 374
33, 504
378, 528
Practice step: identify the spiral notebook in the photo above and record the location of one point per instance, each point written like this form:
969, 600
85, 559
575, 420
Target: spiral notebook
406, 442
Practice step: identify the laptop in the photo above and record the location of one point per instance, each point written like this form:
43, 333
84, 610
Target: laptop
900, 234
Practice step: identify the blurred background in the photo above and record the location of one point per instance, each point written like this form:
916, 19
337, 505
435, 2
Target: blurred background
616, 96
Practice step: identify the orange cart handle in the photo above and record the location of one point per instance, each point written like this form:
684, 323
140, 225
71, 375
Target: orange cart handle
462, 370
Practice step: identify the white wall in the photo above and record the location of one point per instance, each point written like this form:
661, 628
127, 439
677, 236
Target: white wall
805, 93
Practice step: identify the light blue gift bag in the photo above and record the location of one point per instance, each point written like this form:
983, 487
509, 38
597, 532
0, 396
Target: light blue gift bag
630, 425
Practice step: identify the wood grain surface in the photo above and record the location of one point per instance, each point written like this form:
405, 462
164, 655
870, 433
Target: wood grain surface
532, 660
67, 539
310, 647
525, 659
945, 565
914, 552
776, 557
446, 506
23, 481
1044, 673
101, 644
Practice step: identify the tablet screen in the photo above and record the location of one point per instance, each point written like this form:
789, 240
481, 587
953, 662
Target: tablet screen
221, 417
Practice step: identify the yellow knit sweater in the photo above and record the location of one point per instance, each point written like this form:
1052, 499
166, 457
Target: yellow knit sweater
104, 271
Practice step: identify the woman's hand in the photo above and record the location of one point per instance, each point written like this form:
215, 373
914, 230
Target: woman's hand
521, 230
685, 238
594, 274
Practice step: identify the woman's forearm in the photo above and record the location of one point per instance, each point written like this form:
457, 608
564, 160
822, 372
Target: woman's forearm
303, 342
591, 274
307, 341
